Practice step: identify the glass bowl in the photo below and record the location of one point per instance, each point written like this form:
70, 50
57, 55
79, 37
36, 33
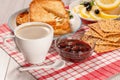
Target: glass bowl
73, 48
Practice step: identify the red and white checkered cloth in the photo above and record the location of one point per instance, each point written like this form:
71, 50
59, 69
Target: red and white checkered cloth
97, 67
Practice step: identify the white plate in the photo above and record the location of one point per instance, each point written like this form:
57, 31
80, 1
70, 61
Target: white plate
75, 22
78, 2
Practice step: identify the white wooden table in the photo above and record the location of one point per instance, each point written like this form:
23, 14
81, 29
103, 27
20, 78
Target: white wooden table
8, 67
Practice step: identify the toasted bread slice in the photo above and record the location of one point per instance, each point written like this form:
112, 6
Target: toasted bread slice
54, 6
37, 13
40, 11
48, 11
62, 27
22, 18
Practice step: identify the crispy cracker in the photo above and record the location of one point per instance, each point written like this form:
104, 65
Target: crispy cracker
98, 41
110, 26
105, 48
114, 38
89, 39
98, 47
96, 27
92, 33
103, 42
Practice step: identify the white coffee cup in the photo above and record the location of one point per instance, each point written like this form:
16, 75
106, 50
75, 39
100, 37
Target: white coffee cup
33, 39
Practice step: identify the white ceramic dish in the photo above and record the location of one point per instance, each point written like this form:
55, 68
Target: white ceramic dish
75, 3
75, 22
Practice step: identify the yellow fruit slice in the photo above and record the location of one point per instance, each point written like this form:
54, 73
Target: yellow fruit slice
95, 16
115, 11
77, 8
108, 16
83, 13
107, 4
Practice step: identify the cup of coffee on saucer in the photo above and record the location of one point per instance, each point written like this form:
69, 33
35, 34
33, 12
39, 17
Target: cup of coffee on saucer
33, 39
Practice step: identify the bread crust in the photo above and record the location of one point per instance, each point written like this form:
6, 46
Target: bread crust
22, 18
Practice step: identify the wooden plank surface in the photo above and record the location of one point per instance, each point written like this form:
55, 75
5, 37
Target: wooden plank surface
4, 59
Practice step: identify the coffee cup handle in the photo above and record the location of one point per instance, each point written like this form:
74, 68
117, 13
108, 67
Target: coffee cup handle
7, 44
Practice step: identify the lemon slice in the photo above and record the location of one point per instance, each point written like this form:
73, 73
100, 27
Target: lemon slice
115, 11
95, 16
108, 16
77, 8
83, 13
107, 4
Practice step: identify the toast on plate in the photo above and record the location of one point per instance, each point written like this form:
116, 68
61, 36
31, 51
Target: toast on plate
22, 18
52, 12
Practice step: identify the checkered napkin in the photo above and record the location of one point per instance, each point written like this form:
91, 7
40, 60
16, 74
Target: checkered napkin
96, 67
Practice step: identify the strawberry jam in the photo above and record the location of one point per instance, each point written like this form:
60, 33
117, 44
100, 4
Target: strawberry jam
74, 50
